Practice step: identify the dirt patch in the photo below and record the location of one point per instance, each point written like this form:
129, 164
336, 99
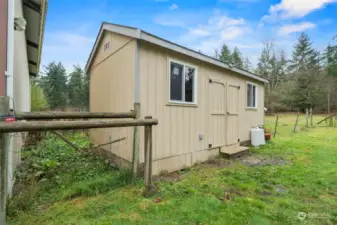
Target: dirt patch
280, 189
214, 163
174, 176
261, 161
266, 193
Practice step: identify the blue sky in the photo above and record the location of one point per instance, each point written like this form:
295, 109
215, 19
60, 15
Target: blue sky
72, 25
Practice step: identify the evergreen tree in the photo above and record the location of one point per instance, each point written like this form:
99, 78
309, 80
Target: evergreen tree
54, 85
247, 65
304, 57
38, 100
263, 66
330, 63
272, 66
330, 60
236, 58
216, 54
225, 54
86, 86
305, 65
76, 88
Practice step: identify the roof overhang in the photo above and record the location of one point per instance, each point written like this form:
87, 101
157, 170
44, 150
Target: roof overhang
34, 12
150, 38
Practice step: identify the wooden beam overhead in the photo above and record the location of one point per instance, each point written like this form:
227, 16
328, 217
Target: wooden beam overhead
32, 62
32, 5
32, 44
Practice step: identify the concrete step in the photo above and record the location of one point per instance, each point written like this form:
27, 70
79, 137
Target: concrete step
234, 151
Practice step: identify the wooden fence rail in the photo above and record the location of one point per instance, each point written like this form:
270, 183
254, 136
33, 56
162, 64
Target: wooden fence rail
73, 115
71, 125
25, 126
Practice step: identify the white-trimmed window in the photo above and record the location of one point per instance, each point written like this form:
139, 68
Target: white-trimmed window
183, 79
252, 95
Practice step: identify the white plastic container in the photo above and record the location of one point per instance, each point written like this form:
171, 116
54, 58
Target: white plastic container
257, 136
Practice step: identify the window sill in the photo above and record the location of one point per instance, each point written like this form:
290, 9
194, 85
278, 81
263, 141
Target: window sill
182, 104
251, 109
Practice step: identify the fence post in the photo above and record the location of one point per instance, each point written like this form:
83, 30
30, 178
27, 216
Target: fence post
275, 129
298, 114
149, 188
306, 117
135, 153
311, 117
4, 108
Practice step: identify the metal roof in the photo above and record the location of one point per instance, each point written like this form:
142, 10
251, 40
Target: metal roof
147, 37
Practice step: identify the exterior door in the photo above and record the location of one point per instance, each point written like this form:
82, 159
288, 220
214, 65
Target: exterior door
233, 101
217, 113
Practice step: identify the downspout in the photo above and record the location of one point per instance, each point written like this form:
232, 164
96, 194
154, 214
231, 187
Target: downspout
9, 86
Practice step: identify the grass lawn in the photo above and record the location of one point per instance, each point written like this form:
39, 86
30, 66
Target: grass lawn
295, 172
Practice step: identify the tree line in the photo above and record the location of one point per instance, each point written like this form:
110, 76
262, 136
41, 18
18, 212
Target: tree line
57, 90
307, 79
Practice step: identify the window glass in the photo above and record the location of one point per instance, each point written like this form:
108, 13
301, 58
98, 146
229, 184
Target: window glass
189, 83
176, 77
251, 95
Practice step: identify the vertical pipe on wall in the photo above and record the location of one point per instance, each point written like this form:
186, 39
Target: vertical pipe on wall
10, 86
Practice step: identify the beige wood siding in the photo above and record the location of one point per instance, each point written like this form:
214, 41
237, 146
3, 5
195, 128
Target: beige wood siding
181, 126
112, 89
233, 114
217, 112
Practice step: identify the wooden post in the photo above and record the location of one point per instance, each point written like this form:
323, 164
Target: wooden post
149, 188
135, 153
306, 117
276, 122
298, 114
4, 108
311, 123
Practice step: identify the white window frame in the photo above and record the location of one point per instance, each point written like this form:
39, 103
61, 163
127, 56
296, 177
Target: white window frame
195, 83
256, 95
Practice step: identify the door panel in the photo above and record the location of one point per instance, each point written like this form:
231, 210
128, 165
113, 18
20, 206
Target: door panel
233, 93
216, 105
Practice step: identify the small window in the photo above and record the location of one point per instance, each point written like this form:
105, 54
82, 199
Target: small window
251, 95
182, 83
106, 45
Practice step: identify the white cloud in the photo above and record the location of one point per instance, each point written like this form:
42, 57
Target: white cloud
294, 9
260, 25
231, 33
199, 31
172, 22
293, 28
173, 7
211, 35
70, 48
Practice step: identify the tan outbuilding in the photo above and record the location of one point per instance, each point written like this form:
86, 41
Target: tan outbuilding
203, 106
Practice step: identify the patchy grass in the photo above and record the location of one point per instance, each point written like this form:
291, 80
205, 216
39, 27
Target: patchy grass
297, 173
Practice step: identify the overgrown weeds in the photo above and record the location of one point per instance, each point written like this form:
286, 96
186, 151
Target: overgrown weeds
53, 171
